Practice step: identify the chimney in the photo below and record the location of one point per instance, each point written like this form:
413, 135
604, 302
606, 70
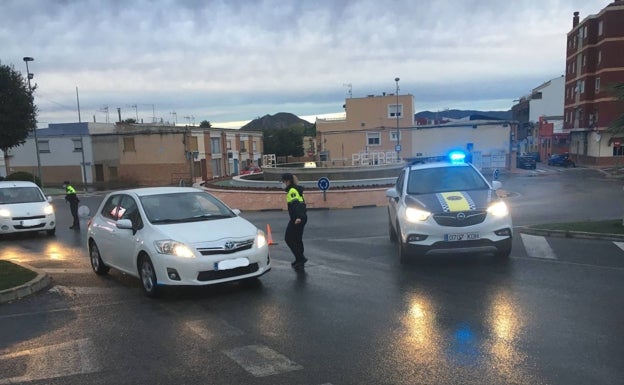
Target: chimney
575, 19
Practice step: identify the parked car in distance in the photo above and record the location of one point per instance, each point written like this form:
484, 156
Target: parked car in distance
563, 160
174, 236
251, 170
534, 155
24, 208
526, 162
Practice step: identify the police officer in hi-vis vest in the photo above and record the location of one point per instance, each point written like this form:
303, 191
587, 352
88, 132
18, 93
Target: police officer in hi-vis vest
298, 219
70, 196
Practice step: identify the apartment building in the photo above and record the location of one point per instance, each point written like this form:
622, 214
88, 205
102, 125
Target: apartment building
594, 62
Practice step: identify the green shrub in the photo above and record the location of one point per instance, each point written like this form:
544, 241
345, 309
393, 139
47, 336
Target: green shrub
24, 176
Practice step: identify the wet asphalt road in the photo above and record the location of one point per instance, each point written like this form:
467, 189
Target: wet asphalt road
552, 314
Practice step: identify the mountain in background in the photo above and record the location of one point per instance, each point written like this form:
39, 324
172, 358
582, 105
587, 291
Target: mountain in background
279, 120
459, 114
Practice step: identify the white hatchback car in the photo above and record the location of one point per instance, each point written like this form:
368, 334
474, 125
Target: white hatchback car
24, 208
174, 236
447, 208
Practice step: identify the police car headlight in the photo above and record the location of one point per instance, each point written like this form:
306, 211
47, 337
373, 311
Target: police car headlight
498, 209
416, 215
174, 248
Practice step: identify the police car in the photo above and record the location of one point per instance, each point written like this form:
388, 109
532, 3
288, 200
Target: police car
447, 208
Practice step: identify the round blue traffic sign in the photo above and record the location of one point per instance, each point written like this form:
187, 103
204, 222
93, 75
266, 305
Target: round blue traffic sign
323, 184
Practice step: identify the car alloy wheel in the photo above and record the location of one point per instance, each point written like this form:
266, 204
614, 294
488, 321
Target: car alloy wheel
96, 260
148, 277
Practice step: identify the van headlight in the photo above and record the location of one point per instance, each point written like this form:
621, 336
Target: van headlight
498, 209
48, 210
171, 247
416, 215
260, 239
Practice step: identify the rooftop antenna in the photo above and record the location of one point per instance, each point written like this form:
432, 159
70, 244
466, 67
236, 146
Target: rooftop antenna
350, 86
175, 117
104, 109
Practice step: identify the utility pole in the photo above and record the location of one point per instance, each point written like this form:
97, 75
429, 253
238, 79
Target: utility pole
30, 76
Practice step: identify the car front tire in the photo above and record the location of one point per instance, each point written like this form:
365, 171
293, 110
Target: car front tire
504, 250
51, 232
391, 232
97, 264
147, 274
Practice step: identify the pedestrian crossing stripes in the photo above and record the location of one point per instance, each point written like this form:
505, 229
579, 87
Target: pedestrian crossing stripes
620, 245
537, 246
261, 361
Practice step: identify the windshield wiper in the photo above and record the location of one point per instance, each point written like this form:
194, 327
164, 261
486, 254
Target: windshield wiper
165, 221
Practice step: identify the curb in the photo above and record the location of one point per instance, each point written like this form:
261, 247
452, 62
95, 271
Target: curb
571, 234
40, 282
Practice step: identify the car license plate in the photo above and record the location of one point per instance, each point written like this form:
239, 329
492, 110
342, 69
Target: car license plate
30, 222
231, 264
461, 237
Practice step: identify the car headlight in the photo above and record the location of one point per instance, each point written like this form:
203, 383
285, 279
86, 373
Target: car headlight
416, 215
260, 239
48, 210
174, 248
498, 209
4, 213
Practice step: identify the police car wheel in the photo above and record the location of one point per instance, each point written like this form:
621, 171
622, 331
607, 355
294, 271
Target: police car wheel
505, 250
391, 232
402, 249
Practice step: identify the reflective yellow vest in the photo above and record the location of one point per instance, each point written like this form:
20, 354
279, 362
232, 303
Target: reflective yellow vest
293, 195
70, 189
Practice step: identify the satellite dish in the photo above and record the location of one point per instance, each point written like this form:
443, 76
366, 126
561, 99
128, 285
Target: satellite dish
597, 137
83, 211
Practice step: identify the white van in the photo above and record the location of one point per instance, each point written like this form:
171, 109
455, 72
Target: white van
24, 207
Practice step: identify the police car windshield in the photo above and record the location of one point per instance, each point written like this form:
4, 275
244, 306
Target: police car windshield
441, 179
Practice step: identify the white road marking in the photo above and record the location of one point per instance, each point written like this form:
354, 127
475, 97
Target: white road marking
54, 361
208, 328
67, 271
373, 240
537, 246
261, 361
75, 291
284, 265
620, 245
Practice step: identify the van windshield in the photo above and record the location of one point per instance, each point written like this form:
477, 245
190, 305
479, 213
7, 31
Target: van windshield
10, 195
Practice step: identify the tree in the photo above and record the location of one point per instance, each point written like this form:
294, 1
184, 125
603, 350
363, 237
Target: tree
205, 124
129, 121
617, 126
18, 113
284, 141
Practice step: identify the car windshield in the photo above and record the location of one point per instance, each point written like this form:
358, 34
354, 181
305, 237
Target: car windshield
440, 179
12, 195
183, 207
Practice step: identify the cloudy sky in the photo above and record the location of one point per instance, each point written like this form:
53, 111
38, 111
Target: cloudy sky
235, 60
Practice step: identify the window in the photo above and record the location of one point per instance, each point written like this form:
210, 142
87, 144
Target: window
242, 146
217, 171
373, 139
228, 144
110, 208
585, 32
573, 67
395, 110
44, 146
215, 145
393, 136
77, 145
128, 143
599, 57
584, 60
255, 146
600, 28
597, 84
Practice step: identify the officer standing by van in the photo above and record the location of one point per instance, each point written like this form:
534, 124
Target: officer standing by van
72, 198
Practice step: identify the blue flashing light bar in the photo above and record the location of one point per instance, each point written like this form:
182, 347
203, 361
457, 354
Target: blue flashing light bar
457, 157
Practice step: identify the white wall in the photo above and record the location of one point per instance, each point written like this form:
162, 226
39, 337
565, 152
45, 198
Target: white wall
551, 103
440, 140
2, 165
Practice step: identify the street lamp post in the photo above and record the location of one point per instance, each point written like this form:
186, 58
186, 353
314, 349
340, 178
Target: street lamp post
30, 76
398, 145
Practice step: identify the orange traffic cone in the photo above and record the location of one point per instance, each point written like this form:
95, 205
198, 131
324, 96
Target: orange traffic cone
269, 236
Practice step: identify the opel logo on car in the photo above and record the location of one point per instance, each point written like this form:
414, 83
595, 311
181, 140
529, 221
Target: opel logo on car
229, 245
461, 216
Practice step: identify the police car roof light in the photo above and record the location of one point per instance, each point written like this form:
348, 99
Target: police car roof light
457, 157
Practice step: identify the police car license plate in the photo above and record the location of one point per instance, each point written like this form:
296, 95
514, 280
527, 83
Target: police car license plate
461, 237
231, 264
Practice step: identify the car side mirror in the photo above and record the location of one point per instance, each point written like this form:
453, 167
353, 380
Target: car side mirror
236, 211
392, 193
50, 199
124, 224
496, 185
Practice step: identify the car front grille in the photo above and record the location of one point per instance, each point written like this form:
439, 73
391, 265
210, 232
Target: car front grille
460, 219
26, 218
221, 274
20, 227
234, 247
